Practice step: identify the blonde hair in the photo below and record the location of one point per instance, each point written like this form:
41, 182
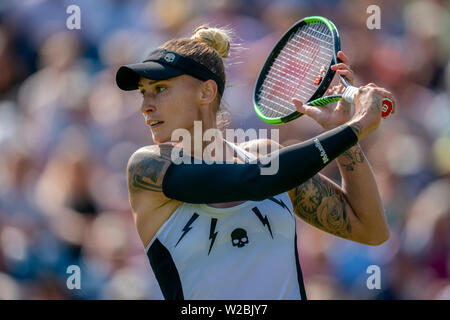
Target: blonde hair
206, 46
219, 39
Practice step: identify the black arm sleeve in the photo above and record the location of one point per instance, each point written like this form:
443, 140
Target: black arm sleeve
213, 183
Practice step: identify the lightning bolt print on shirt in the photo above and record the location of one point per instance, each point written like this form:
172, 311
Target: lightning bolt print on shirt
202, 252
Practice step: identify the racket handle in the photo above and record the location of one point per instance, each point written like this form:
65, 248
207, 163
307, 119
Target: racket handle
349, 96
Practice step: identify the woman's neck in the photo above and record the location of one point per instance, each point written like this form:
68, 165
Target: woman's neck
205, 141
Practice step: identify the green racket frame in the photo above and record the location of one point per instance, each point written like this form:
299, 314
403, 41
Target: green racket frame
316, 99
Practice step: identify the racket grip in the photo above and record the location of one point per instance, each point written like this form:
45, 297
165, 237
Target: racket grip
349, 96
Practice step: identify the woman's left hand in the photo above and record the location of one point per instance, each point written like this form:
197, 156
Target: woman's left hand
331, 115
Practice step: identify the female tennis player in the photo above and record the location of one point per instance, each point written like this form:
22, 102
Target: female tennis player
224, 230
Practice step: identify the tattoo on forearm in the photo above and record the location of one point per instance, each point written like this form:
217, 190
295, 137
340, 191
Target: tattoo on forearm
351, 158
146, 171
320, 204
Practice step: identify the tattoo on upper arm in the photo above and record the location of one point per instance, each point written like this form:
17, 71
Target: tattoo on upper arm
319, 203
351, 158
146, 170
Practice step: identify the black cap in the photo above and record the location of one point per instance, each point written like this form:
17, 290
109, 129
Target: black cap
163, 64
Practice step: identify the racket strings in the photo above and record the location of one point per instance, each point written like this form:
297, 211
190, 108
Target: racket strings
295, 70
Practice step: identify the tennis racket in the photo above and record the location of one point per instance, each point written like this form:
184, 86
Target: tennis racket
300, 66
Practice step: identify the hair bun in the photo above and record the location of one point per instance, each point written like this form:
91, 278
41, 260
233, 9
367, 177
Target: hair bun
216, 38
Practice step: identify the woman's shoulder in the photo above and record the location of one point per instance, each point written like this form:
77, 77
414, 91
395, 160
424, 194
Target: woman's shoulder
162, 150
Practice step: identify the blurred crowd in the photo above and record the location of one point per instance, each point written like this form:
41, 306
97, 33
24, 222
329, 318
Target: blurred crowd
67, 131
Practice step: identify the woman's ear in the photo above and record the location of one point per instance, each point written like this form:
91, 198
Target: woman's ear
208, 91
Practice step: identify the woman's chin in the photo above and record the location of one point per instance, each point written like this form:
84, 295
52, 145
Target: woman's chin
159, 138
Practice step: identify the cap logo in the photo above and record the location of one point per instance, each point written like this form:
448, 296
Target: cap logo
169, 57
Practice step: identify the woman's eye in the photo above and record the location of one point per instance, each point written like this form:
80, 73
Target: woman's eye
143, 92
160, 89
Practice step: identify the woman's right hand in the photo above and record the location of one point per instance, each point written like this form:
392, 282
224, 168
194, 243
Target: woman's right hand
368, 108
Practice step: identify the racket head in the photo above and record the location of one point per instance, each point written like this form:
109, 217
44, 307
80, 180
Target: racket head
292, 67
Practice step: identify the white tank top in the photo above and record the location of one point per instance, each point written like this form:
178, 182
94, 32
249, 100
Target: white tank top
248, 251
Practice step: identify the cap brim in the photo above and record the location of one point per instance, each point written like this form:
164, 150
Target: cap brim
127, 77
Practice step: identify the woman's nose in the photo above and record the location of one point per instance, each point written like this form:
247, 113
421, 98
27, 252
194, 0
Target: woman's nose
148, 108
